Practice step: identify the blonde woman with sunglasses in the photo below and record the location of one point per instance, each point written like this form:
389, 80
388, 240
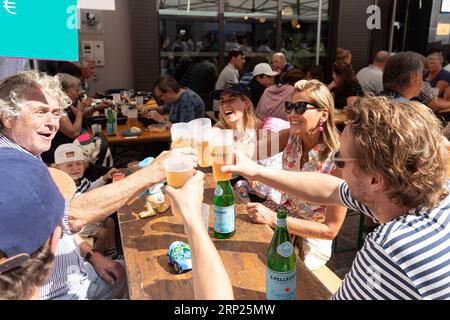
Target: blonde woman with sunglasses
312, 140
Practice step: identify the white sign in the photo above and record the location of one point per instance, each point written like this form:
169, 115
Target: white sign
97, 4
445, 6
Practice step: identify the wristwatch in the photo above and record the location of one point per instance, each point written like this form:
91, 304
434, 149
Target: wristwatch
89, 254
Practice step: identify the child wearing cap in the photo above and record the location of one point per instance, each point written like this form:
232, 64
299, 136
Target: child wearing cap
69, 158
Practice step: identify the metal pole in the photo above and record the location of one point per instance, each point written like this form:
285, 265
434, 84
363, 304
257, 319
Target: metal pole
391, 34
319, 30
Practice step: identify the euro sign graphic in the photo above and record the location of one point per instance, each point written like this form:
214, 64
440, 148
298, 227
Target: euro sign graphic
9, 6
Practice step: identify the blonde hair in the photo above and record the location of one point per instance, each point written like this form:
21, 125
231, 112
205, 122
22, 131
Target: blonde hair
403, 142
12, 92
319, 93
249, 119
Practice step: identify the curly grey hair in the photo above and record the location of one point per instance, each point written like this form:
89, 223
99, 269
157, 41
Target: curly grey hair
12, 92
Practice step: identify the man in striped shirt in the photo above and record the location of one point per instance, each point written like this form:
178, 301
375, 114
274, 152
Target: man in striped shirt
30, 109
394, 166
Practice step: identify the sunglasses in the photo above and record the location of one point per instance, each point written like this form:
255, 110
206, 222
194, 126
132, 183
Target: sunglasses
299, 106
338, 161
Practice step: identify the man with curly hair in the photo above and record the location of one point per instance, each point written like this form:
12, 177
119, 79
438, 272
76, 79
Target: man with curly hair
394, 168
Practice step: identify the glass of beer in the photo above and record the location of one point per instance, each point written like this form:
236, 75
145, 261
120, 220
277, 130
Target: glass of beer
181, 135
201, 128
179, 170
221, 144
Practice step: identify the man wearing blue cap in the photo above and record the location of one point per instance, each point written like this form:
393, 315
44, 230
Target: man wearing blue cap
31, 211
30, 107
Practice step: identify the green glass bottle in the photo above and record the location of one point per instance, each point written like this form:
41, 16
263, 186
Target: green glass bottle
223, 210
281, 263
111, 125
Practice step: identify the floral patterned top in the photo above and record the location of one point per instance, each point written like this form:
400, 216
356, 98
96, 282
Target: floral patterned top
292, 156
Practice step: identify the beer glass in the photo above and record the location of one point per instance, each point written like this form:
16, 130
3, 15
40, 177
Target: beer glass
179, 170
221, 144
181, 135
200, 129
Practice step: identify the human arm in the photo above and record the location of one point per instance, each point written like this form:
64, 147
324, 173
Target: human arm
210, 279
308, 186
73, 130
99, 203
109, 270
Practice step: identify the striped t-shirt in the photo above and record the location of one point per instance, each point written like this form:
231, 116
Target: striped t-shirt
406, 258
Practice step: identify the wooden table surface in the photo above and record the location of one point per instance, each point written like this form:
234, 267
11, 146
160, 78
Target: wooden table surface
146, 135
146, 241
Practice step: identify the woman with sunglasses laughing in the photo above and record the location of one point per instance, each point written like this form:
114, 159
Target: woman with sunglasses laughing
313, 139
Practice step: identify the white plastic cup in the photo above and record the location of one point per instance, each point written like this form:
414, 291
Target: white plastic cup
139, 101
116, 97
200, 129
181, 135
205, 215
179, 169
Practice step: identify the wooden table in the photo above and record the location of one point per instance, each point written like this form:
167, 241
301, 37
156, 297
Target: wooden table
145, 137
145, 244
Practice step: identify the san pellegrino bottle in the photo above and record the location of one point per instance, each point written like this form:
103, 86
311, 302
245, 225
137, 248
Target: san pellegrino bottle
281, 263
223, 210
111, 125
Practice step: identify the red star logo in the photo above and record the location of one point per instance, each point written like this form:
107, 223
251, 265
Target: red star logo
287, 290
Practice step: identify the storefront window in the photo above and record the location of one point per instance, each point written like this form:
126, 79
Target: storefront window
189, 31
300, 32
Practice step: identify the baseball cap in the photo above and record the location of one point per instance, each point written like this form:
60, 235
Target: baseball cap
264, 68
67, 153
232, 87
31, 205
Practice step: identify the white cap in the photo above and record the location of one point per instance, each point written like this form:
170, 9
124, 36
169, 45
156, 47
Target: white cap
67, 153
264, 68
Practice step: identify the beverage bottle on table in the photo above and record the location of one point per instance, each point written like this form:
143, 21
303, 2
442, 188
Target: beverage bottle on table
111, 126
223, 210
281, 263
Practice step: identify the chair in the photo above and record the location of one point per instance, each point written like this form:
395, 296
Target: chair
360, 241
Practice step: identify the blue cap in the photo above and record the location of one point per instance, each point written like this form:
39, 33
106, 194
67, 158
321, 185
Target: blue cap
31, 206
232, 87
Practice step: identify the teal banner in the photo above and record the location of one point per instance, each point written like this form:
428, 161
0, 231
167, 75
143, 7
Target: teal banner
39, 29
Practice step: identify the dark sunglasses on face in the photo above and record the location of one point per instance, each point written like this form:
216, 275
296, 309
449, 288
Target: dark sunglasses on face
299, 106
338, 161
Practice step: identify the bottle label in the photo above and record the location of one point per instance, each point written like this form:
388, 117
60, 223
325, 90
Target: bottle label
285, 249
223, 219
281, 222
218, 192
280, 285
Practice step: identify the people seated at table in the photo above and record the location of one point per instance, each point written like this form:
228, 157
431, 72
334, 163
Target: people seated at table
272, 101
230, 73
428, 97
182, 104
371, 77
250, 64
438, 77
407, 255
236, 113
345, 87
72, 122
30, 107
312, 140
403, 76
31, 212
315, 72
280, 65
69, 158
263, 78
